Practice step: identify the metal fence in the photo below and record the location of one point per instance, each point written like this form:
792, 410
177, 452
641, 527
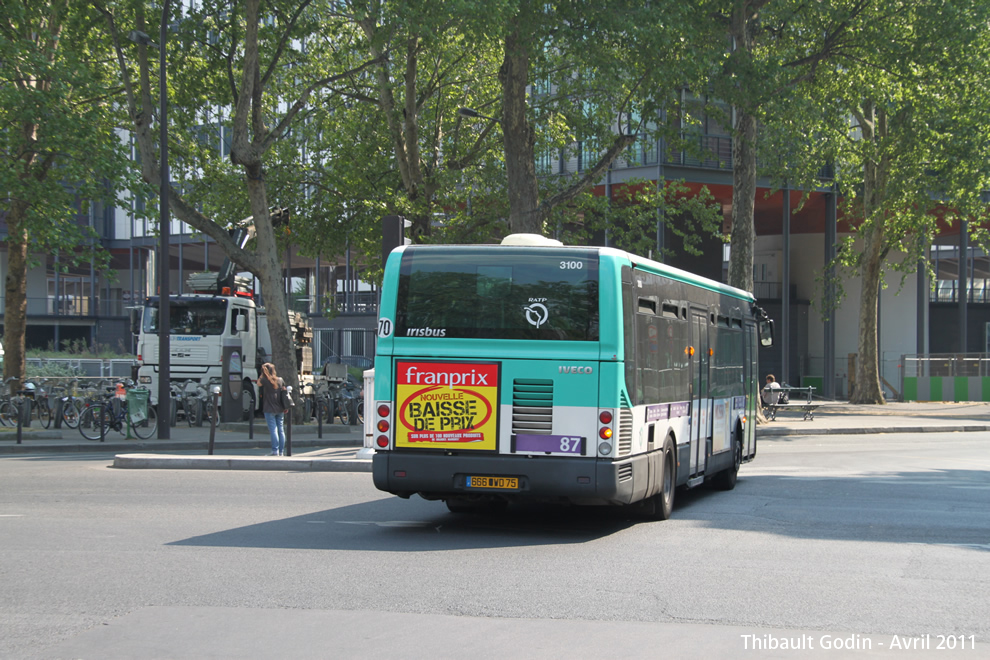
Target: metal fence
947, 365
88, 367
351, 346
945, 377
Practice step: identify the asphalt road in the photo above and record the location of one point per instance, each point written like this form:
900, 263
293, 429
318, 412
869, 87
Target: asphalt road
873, 543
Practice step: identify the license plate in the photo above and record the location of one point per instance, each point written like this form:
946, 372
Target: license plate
496, 483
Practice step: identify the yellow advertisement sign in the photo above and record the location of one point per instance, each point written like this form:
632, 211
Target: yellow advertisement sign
447, 404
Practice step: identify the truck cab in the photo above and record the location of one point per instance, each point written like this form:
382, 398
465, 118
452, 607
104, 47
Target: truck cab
198, 325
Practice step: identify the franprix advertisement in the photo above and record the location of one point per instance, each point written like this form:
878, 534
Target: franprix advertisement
447, 405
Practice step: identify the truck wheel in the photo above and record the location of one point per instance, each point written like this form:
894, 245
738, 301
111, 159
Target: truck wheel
248, 401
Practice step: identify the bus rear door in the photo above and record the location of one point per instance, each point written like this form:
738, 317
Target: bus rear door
700, 402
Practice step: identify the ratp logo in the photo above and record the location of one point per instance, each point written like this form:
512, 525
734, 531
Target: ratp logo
536, 314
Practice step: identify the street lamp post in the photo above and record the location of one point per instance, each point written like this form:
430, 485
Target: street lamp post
164, 354
164, 262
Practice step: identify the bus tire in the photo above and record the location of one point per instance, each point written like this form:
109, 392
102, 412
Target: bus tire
661, 505
726, 479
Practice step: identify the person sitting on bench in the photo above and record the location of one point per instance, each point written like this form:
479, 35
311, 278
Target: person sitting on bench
771, 392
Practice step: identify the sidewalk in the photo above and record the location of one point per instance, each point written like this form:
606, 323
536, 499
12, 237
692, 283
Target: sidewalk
839, 417
339, 448
187, 447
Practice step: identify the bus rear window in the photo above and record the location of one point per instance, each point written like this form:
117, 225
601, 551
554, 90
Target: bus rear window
498, 293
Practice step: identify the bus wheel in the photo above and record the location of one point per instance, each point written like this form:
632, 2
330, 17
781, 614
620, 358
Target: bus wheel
661, 505
726, 479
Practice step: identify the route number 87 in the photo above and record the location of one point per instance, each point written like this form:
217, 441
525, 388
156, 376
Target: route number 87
570, 445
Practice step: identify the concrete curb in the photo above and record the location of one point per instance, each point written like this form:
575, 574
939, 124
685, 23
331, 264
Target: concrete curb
90, 446
272, 463
762, 432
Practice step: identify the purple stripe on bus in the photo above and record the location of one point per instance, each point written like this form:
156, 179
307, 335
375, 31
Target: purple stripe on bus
657, 412
558, 444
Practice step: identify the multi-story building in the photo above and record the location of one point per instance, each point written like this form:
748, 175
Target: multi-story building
89, 305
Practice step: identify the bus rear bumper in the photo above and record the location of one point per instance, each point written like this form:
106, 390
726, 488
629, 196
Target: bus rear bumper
579, 480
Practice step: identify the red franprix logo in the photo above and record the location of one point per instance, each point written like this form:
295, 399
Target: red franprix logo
451, 377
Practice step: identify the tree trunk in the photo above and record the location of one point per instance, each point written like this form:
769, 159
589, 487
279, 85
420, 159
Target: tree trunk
15, 310
873, 124
269, 273
518, 134
743, 235
868, 388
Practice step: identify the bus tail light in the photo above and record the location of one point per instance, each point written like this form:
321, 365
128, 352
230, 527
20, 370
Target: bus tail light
605, 432
383, 424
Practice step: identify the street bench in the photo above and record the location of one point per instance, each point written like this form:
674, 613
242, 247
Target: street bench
771, 399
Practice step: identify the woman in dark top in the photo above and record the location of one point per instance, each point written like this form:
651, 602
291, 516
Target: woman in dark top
269, 385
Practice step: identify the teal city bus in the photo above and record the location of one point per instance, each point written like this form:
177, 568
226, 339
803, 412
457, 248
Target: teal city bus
536, 371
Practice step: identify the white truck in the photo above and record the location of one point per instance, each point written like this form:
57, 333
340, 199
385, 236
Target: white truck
199, 323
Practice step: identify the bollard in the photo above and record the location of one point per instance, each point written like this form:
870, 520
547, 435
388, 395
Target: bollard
251, 426
24, 410
17, 404
288, 433
103, 427
213, 420
59, 407
319, 419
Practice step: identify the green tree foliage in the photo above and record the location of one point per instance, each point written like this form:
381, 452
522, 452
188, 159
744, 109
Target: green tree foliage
260, 73
906, 119
62, 159
592, 89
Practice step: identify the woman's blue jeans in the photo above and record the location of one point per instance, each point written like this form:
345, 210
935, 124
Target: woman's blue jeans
276, 431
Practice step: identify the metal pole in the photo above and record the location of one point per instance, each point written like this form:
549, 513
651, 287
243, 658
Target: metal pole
785, 293
831, 229
288, 432
213, 421
164, 356
963, 284
18, 402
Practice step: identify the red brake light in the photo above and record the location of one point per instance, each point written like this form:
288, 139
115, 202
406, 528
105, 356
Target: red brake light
605, 417
383, 410
382, 441
382, 425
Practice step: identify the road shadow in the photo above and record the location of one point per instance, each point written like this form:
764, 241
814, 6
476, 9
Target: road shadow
423, 527
948, 507
932, 507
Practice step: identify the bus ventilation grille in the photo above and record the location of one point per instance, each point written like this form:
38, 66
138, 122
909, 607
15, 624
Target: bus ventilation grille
532, 406
625, 431
625, 472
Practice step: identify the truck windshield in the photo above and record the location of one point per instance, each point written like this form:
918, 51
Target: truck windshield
498, 293
189, 317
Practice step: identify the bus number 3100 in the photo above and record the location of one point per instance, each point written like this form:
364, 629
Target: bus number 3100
571, 265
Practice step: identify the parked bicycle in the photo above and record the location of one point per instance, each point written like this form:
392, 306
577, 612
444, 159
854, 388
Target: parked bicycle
336, 401
112, 413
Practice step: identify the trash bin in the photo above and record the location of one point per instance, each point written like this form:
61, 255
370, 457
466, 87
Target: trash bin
137, 404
